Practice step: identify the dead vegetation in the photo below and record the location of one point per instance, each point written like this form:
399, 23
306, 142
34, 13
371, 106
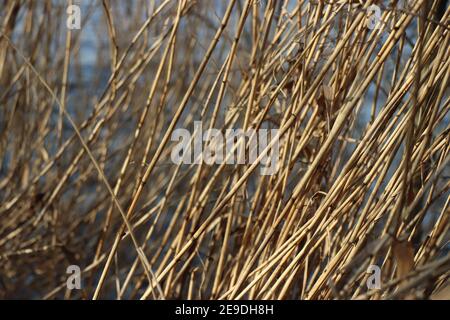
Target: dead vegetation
86, 176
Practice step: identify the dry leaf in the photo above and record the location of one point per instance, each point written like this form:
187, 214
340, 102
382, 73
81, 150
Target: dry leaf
328, 93
443, 294
404, 256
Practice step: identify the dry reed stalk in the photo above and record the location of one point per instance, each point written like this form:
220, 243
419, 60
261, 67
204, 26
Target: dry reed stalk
86, 175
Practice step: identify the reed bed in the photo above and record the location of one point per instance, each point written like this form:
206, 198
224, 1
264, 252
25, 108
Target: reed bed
86, 176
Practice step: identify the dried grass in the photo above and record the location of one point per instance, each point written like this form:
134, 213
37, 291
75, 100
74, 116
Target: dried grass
86, 176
